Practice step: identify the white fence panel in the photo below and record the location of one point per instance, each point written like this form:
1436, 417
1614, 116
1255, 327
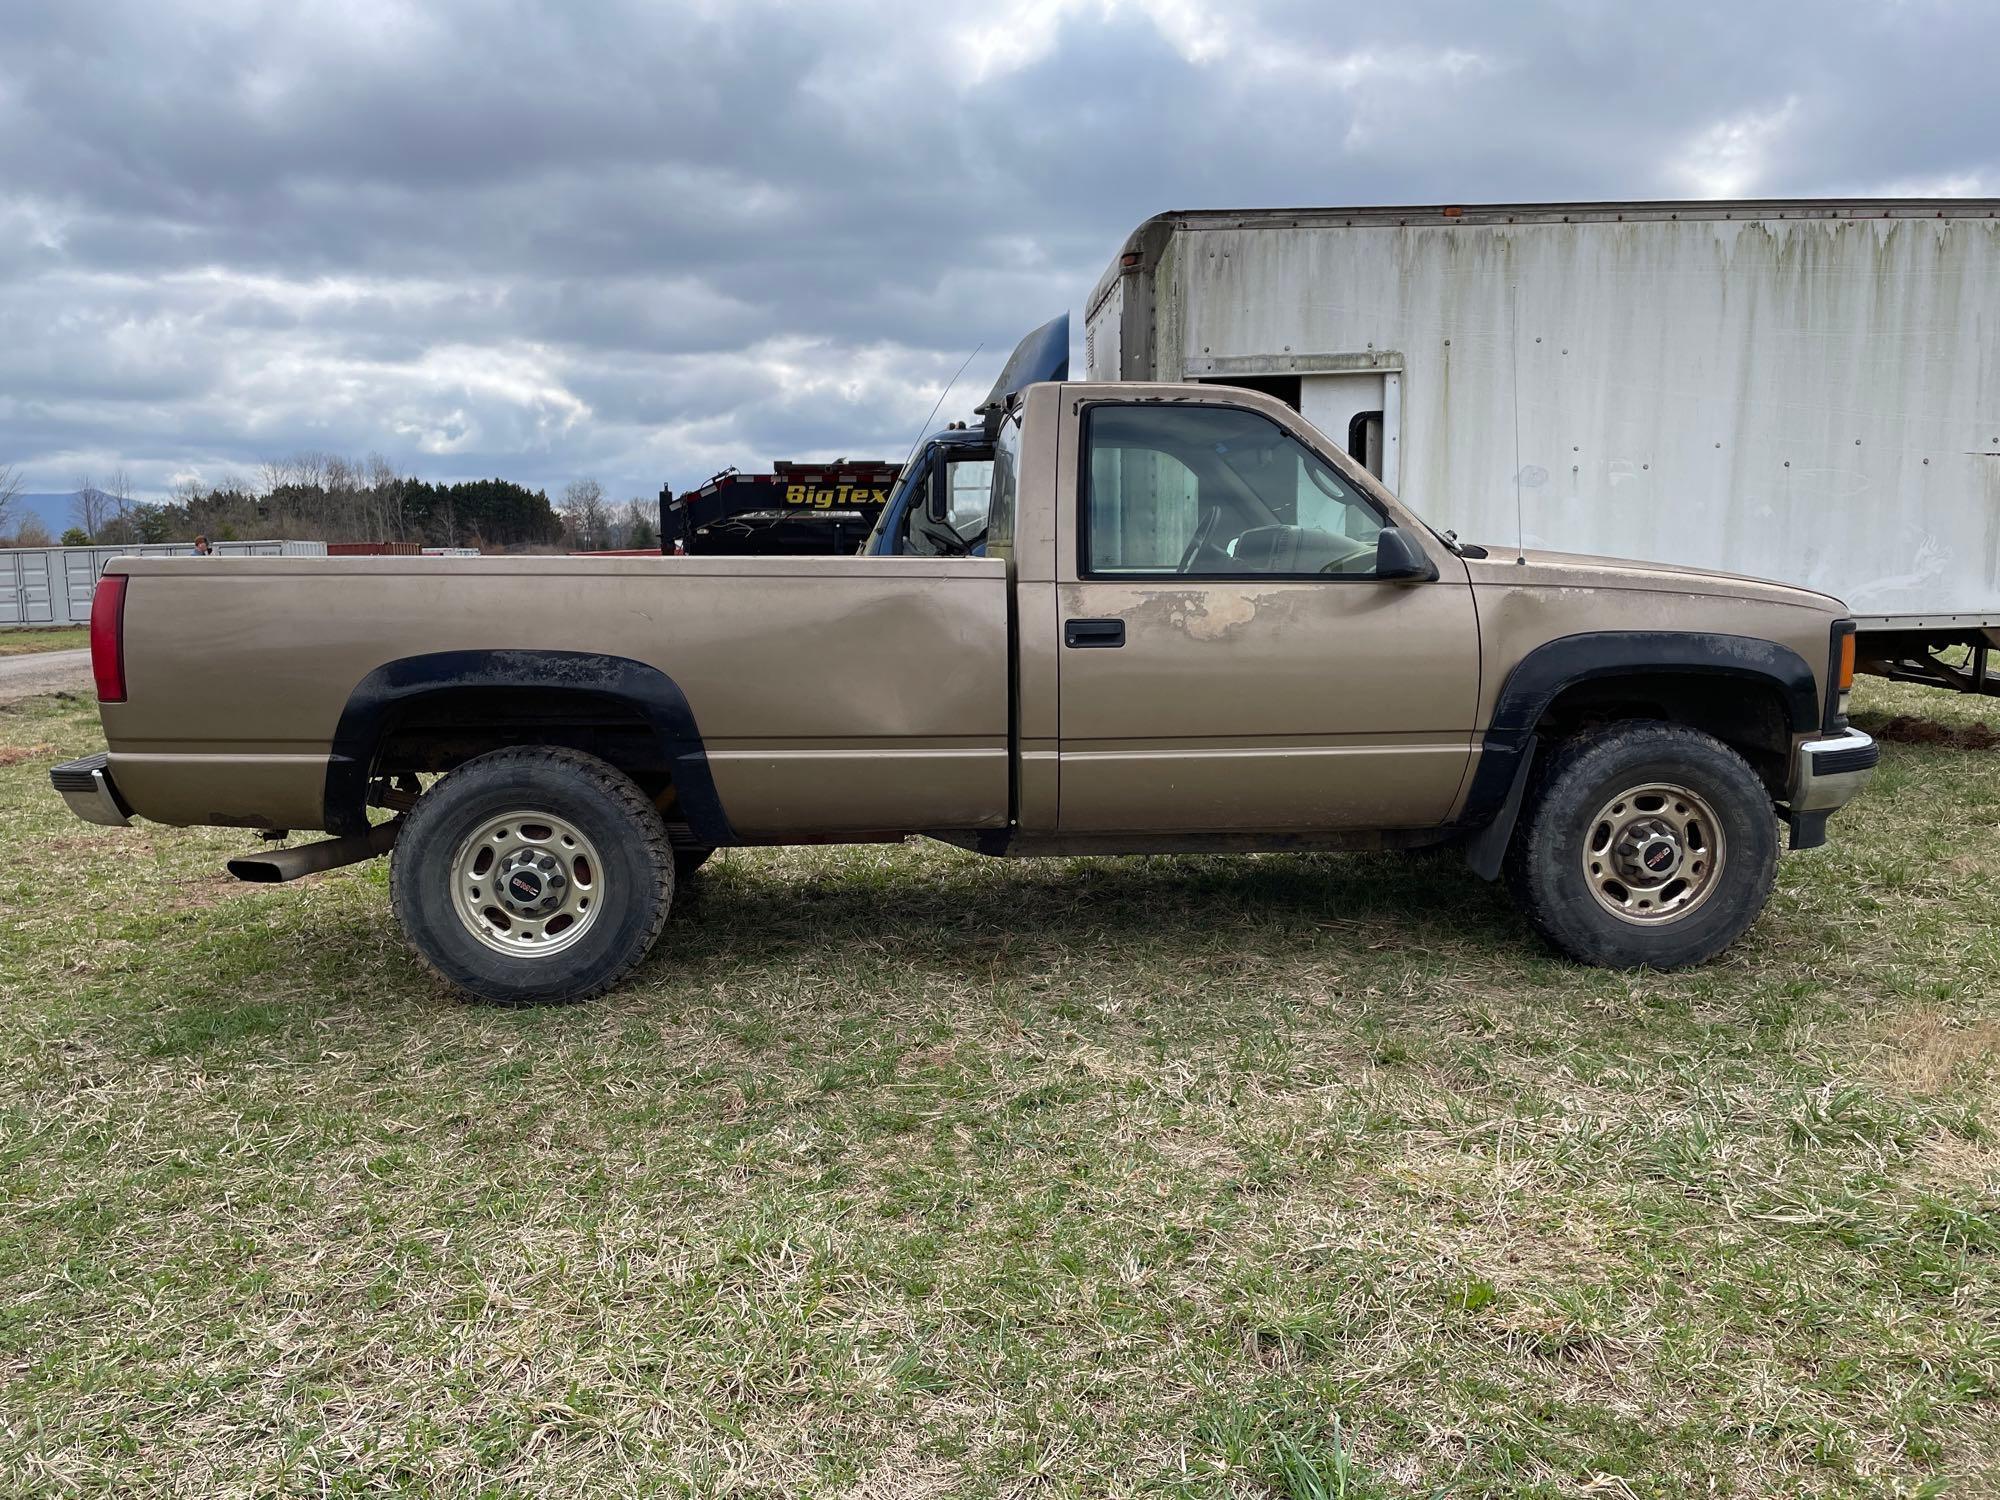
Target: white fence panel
53, 585
24, 588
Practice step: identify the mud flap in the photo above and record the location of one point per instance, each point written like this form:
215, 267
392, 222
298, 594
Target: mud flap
1808, 828
1487, 848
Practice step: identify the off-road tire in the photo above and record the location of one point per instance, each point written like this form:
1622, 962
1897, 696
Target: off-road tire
1547, 864
635, 886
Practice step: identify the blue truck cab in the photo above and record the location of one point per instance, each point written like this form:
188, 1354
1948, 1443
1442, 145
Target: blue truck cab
939, 503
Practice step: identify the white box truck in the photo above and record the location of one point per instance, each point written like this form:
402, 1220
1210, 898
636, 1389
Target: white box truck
1804, 390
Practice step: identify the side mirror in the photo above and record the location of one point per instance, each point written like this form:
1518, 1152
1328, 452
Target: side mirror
937, 503
1397, 556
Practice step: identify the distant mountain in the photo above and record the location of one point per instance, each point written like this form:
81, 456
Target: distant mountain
56, 512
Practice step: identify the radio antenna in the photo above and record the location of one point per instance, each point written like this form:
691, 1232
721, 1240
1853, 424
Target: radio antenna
1514, 353
940, 402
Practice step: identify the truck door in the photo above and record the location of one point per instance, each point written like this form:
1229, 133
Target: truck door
1228, 658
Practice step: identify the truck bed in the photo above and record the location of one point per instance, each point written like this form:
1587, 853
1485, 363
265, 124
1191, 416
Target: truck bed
875, 688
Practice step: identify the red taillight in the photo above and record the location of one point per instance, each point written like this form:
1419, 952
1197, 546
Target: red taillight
107, 638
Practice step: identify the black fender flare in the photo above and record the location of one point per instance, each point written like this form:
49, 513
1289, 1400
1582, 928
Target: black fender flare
1507, 748
657, 697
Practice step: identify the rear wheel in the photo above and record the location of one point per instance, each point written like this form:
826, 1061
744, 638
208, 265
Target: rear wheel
1644, 844
532, 874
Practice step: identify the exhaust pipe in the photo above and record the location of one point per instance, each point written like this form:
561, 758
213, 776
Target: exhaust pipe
309, 859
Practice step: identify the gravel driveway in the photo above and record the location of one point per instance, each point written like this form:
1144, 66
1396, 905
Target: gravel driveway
48, 672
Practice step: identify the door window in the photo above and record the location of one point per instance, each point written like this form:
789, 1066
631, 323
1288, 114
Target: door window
1215, 491
968, 489
1006, 482
1364, 441
962, 488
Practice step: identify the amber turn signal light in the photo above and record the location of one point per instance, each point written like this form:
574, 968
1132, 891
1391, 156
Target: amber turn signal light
1846, 661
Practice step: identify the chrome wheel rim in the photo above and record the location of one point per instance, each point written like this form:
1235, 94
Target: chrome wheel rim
527, 883
1653, 854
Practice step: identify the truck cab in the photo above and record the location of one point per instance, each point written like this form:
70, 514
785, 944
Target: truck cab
939, 503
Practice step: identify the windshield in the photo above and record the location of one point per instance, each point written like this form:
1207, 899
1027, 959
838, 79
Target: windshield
955, 478
910, 473
1006, 481
968, 488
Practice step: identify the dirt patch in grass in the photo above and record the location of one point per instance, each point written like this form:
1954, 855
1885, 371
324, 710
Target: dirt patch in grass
1915, 729
14, 755
198, 892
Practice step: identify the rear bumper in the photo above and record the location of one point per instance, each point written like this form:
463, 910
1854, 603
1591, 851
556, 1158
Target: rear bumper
86, 786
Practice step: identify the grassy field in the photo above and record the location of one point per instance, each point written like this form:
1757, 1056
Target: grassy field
902, 1173
33, 638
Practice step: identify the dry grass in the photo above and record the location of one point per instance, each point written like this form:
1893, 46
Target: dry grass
901, 1173
26, 640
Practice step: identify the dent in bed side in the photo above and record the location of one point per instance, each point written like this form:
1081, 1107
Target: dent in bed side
1556, 665
656, 696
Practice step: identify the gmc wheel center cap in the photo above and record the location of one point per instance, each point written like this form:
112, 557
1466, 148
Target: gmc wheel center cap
1659, 857
530, 884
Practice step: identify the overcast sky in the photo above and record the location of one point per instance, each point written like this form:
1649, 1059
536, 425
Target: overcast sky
640, 241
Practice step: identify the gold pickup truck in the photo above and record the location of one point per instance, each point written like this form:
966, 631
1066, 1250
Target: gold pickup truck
1196, 625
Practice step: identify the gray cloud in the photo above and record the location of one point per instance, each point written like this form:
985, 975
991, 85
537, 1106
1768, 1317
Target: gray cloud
642, 241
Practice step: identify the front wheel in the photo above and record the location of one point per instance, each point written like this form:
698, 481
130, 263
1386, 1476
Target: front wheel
532, 874
1645, 844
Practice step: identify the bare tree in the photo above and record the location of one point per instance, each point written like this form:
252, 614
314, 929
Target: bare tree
91, 506
120, 525
385, 496
638, 527
10, 491
274, 474
585, 515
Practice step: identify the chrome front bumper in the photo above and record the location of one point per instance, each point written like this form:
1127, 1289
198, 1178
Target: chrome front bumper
86, 786
1830, 772
1827, 774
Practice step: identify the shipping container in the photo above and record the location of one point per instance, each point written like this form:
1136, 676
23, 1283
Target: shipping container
1805, 390
53, 585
